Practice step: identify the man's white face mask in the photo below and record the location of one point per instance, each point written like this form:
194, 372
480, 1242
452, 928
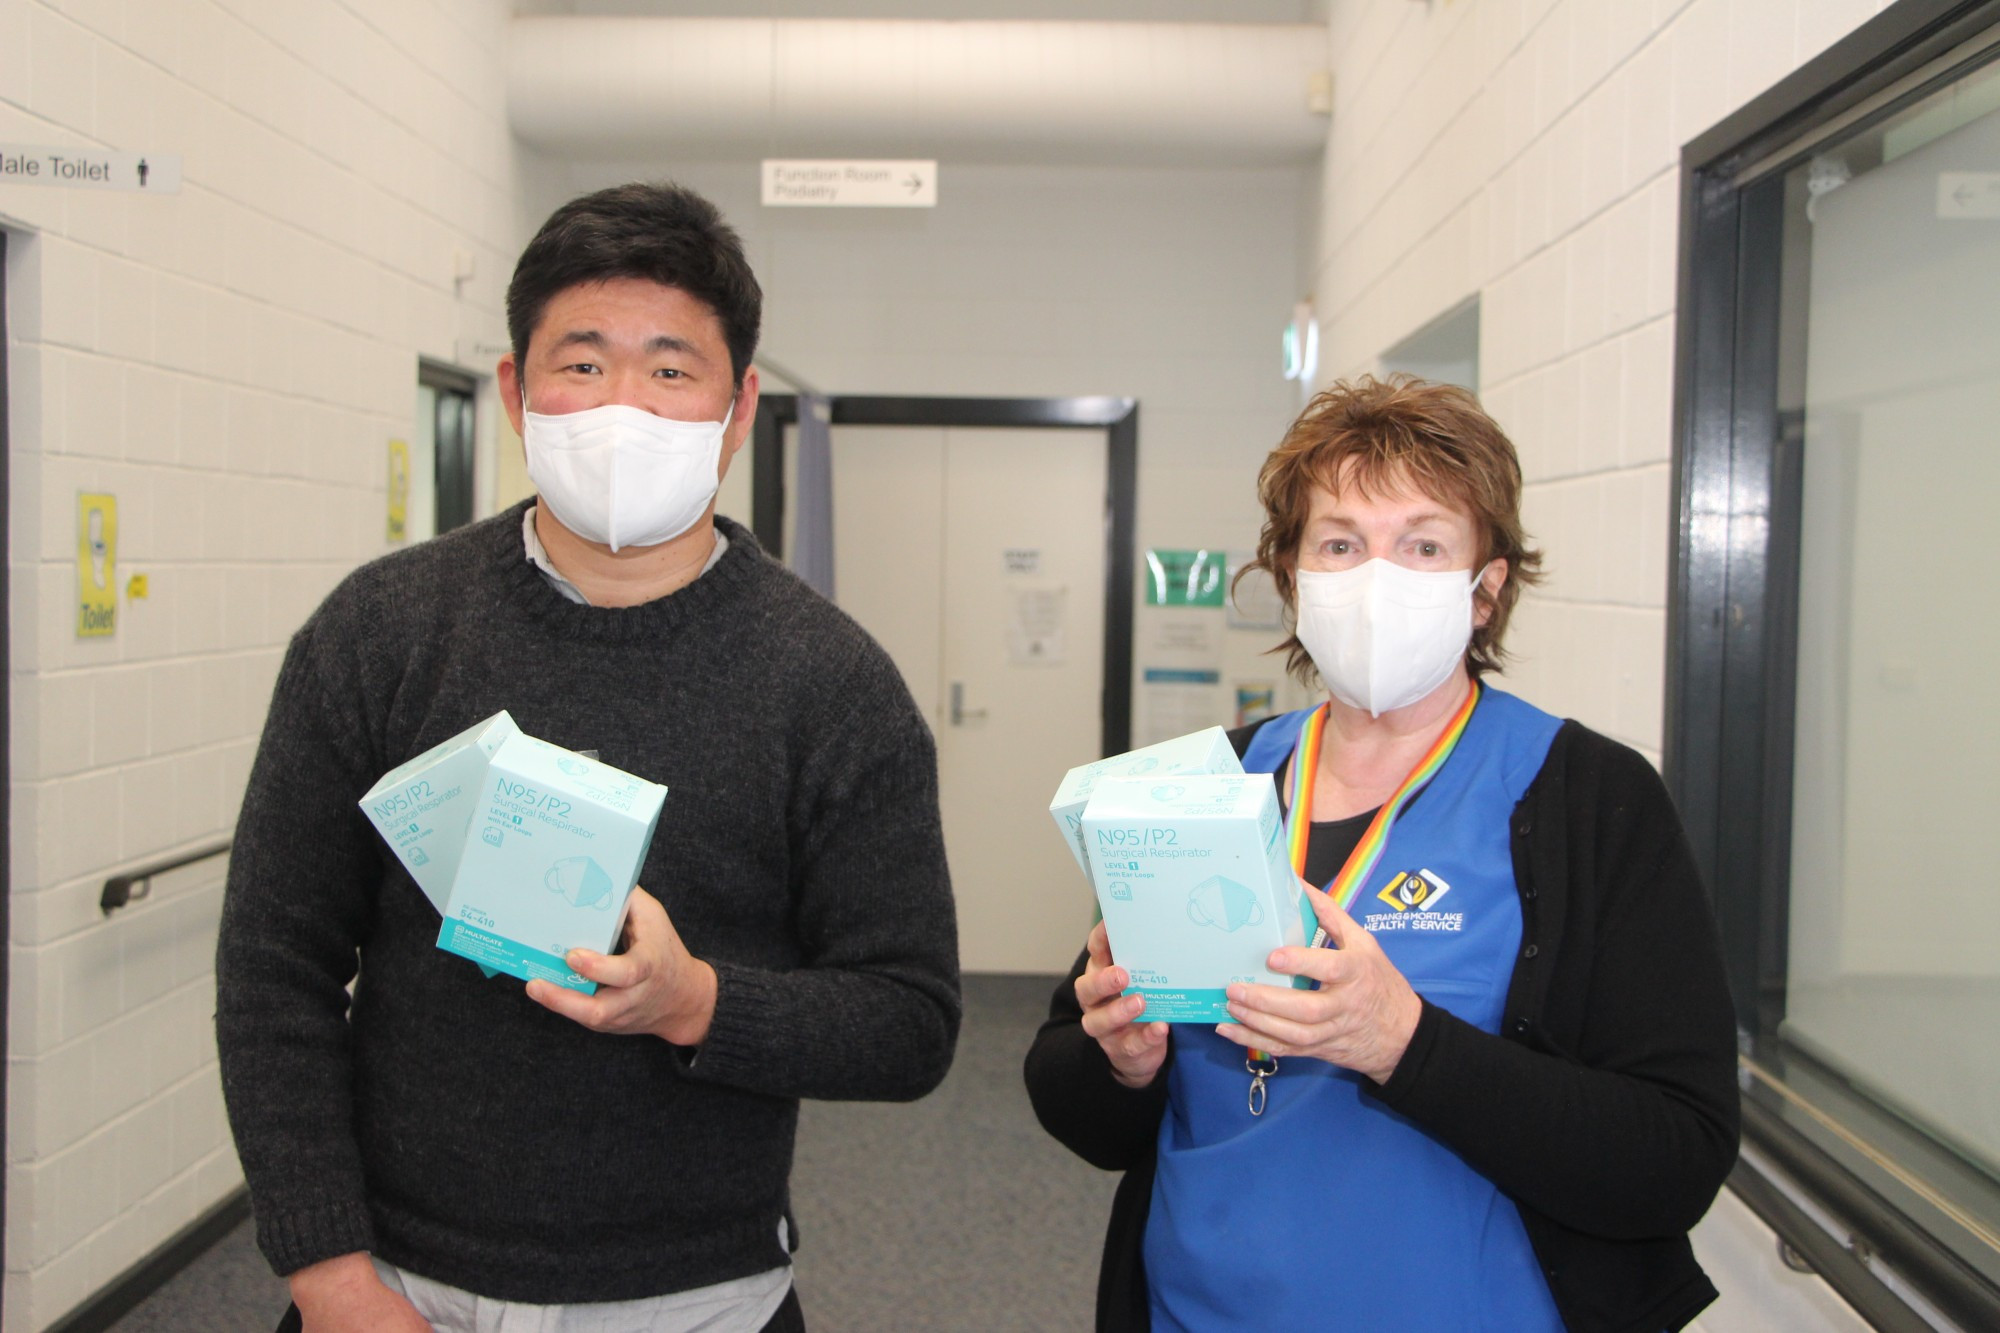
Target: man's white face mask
620, 475
1382, 636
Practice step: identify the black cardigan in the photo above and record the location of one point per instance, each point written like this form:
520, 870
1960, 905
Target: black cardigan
1606, 1109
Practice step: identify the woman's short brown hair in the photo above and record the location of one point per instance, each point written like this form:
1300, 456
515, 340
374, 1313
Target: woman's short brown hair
1399, 435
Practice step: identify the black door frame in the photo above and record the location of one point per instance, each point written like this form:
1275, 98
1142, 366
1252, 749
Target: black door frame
1118, 418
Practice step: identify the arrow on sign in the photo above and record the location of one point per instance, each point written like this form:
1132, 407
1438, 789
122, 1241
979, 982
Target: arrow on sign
1969, 194
849, 183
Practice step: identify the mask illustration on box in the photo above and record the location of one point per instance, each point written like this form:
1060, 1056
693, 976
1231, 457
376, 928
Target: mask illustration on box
581, 882
1223, 903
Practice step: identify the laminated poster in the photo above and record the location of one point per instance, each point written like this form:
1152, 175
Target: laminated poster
96, 565
1184, 578
1180, 645
399, 490
1255, 701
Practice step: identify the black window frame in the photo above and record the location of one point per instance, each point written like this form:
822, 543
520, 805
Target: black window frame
1732, 625
460, 489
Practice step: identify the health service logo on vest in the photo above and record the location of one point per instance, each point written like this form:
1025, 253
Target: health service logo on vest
1414, 895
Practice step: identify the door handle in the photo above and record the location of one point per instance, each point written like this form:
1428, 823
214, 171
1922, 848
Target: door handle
959, 712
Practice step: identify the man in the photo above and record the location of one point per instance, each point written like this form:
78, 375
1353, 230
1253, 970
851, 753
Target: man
464, 1152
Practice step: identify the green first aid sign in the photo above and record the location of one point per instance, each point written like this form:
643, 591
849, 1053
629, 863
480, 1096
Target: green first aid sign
1184, 578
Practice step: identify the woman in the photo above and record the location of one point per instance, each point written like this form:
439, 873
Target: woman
1511, 1092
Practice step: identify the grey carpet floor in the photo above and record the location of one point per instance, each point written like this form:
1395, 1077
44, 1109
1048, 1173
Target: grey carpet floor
952, 1213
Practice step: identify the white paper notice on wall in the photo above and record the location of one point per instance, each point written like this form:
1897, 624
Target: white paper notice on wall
1253, 602
1035, 626
1174, 701
1968, 195
1180, 672
845, 183
90, 169
1177, 639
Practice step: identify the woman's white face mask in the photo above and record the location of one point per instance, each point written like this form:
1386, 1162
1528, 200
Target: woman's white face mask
1382, 636
620, 475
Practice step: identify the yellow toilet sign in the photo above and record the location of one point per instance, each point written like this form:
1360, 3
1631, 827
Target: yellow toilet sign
399, 490
96, 565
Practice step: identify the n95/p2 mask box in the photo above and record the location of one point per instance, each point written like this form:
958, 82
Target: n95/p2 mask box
1196, 886
1206, 751
422, 808
553, 852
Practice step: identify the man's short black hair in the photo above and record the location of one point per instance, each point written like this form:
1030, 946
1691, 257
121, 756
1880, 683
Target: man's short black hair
663, 233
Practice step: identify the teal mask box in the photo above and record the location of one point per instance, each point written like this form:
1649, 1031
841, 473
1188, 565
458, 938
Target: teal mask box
1196, 886
422, 808
1206, 751
554, 849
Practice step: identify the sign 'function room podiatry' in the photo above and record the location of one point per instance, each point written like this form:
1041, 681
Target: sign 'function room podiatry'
844, 183
90, 169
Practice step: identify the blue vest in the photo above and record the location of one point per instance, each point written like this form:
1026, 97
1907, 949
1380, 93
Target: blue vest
1331, 1211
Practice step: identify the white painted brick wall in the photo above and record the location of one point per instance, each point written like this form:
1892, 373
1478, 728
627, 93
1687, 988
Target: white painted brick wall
1528, 151
230, 362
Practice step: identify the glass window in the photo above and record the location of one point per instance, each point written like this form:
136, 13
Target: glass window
1445, 350
1893, 977
1830, 738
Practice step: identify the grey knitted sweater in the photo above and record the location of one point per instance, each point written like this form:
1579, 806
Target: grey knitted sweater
448, 1124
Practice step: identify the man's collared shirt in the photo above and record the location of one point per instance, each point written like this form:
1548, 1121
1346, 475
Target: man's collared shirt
538, 556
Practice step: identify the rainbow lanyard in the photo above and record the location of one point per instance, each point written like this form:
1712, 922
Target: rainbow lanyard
1346, 886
